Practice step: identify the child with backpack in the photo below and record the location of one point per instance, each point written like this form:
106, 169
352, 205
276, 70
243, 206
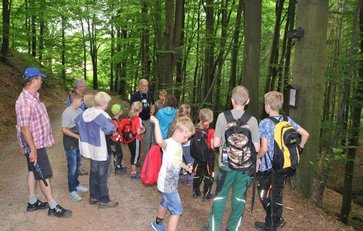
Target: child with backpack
184, 112
201, 148
239, 127
270, 179
116, 140
137, 129
169, 172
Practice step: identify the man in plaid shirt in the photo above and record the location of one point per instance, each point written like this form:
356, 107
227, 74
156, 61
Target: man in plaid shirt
34, 134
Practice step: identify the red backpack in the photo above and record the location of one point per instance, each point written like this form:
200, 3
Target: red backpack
126, 129
151, 167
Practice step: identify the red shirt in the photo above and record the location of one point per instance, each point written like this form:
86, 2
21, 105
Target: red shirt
136, 124
210, 135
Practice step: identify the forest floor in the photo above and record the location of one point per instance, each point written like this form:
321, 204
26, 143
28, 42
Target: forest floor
137, 203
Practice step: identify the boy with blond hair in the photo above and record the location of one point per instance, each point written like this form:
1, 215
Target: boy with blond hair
94, 125
227, 177
169, 172
270, 188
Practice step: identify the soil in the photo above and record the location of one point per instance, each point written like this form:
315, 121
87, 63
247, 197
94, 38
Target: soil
137, 203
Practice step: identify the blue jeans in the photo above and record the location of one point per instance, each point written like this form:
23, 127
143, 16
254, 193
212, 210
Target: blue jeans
74, 165
98, 180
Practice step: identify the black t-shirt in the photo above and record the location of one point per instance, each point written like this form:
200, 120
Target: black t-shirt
147, 100
69, 141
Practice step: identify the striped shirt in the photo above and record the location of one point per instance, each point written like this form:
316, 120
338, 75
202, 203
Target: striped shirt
31, 112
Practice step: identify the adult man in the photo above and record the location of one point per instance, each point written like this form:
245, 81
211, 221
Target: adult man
34, 134
227, 177
147, 100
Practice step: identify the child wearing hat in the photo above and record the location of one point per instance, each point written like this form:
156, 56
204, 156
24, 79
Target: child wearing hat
116, 139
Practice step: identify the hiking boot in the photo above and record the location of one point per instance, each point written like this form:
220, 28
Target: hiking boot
120, 170
262, 227
58, 211
81, 189
207, 197
110, 204
157, 227
37, 205
74, 196
135, 176
92, 201
281, 223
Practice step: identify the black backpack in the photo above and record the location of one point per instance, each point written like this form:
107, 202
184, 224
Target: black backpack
199, 149
238, 151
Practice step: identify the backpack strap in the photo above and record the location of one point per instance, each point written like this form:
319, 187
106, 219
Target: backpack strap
243, 120
229, 117
284, 118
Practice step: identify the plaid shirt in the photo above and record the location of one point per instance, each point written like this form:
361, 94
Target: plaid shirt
31, 112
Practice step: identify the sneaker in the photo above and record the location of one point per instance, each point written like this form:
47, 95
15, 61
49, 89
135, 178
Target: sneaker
157, 227
81, 189
58, 211
121, 170
92, 201
262, 227
207, 197
134, 176
110, 204
74, 196
37, 205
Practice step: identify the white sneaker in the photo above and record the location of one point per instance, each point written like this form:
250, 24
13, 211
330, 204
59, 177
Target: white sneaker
74, 196
81, 189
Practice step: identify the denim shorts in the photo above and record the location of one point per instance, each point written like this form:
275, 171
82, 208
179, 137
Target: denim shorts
172, 202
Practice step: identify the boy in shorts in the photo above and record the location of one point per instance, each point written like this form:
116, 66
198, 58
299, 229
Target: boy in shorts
169, 172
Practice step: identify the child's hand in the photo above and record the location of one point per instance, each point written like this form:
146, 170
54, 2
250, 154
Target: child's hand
190, 168
153, 119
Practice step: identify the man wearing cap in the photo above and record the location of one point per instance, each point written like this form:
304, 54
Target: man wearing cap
34, 134
147, 100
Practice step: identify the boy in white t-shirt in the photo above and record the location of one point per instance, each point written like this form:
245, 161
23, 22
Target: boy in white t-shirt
169, 171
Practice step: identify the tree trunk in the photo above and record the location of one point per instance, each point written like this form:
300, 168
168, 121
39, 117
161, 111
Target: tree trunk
251, 56
308, 79
84, 50
353, 141
221, 57
63, 51
112, 54
6, 28
93, 48
145, 50
41, 31
179, 44
167, 56
158, 42
272, 67
208, 51
235, 46
33, 32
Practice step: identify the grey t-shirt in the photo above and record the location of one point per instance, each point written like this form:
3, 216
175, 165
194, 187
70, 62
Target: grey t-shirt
221, 127
68, 118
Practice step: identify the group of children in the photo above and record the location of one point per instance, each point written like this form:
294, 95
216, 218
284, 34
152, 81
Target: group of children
98, 133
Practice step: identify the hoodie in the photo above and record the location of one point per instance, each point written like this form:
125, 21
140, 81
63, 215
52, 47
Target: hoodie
94, 124
165, 117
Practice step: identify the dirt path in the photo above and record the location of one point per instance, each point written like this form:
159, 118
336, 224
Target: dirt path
137, 203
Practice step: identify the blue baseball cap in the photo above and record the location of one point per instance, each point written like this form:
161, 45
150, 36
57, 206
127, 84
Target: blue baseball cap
32, 72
